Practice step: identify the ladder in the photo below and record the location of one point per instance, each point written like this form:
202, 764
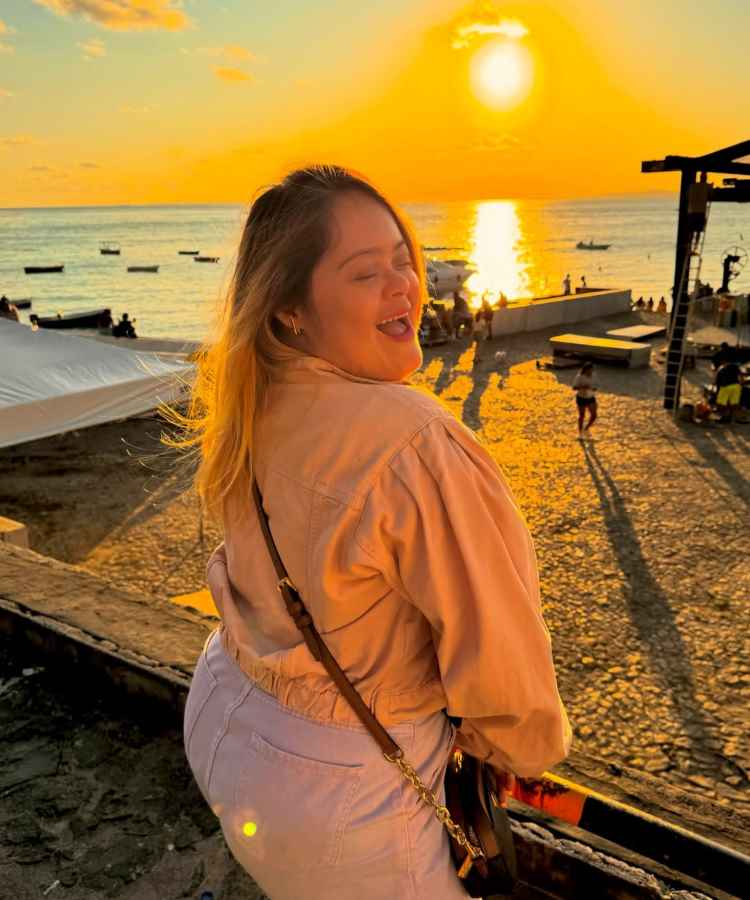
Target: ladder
675, 362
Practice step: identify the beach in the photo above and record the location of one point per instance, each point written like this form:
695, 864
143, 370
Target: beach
641, 537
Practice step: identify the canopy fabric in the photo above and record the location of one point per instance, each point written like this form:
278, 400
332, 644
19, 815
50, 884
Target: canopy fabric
51, 382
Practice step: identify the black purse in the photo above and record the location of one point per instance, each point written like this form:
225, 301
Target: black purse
481, 840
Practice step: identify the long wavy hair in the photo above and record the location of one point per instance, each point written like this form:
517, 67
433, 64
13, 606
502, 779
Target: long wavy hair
286, 233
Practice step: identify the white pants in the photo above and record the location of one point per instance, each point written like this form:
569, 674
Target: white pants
311, 809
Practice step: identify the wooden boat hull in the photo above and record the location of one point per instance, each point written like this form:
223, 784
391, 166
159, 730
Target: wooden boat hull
206, 259
188, 252
43, 270
110, 252
94, 318
152, 269
581, 246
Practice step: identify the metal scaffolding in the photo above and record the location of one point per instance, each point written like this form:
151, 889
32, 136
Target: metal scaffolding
696, 194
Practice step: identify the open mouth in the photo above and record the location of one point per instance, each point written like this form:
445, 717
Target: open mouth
399, 326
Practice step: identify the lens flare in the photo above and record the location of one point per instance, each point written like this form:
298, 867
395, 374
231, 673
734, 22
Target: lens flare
249, 829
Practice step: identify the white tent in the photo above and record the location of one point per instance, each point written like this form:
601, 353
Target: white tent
52, 382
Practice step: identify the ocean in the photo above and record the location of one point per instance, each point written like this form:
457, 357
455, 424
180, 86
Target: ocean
523, 248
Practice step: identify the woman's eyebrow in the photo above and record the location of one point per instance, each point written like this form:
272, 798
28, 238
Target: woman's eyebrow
370, 250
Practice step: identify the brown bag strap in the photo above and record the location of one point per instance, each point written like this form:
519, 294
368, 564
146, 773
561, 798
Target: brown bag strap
302, 619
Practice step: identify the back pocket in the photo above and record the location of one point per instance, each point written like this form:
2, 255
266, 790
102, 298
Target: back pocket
290, 810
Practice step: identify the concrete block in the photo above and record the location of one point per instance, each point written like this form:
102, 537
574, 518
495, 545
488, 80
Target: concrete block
14, 532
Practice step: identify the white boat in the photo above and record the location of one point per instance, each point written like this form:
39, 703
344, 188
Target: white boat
447, 275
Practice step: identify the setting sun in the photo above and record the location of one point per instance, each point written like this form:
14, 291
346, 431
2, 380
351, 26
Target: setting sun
502, 74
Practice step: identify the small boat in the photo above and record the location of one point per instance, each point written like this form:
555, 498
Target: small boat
582, 245
213, 259
42, 270
109, 249
22, 304
94, 318
188, 252
143, 268
447, 275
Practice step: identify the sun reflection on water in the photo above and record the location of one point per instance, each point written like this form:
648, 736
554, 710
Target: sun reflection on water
496, 252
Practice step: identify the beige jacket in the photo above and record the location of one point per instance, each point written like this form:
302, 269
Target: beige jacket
407, 547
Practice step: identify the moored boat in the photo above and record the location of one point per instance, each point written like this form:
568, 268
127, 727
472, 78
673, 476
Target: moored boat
94, 318
447, 275
42, 270
208, 259
143, 268
22, 304
188, 252
109, 249
582, 245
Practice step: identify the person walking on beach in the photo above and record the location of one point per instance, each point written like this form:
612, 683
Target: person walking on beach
566, 285
585, 389
391, 519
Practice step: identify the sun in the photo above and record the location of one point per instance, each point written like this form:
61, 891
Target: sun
502, 74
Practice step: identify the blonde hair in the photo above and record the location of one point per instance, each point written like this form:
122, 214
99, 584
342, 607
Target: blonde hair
284, 236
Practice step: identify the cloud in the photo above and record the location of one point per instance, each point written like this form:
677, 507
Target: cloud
486, 23
123, 15
17, 140
93, 49
231, 75
6, 29
89, 165
4, 93
232, 52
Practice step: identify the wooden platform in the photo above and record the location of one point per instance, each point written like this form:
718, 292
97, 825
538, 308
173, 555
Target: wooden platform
582, 345
638, 332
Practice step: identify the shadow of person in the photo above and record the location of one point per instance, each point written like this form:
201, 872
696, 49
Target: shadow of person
650, 612
480, 378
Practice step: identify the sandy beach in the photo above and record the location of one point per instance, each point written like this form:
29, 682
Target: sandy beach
641, 537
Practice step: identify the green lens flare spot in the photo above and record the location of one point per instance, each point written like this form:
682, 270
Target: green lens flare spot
249, 829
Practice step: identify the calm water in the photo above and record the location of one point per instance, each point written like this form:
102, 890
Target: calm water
523, 248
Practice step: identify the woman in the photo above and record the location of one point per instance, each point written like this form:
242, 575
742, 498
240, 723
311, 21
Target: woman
385, 511
585, 389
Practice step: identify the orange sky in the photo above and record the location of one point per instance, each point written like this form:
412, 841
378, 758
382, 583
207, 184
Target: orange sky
210, 121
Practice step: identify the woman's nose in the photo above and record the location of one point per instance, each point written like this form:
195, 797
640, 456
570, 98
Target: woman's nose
398, 283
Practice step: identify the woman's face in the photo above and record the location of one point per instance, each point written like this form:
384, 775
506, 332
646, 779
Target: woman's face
364, 308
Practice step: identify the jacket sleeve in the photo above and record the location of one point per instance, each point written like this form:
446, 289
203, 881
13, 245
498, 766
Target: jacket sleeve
448, 536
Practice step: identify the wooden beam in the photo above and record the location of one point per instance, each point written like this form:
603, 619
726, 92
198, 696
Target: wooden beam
728, 154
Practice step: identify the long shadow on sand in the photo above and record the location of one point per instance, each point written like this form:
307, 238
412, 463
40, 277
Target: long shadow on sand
708, 446
650, 610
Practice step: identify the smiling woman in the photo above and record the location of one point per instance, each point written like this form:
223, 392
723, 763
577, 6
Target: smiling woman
502, 74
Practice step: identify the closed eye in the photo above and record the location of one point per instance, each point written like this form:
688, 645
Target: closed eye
365, 277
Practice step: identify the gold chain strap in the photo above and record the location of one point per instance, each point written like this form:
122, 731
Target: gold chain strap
442, 813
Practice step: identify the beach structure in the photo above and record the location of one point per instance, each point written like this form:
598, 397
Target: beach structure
547, 312
583, 346
696, 196
637, 332
53, 383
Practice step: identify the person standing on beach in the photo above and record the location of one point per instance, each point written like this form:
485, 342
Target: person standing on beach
585, 390
391, 520
8, 310
566, 285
